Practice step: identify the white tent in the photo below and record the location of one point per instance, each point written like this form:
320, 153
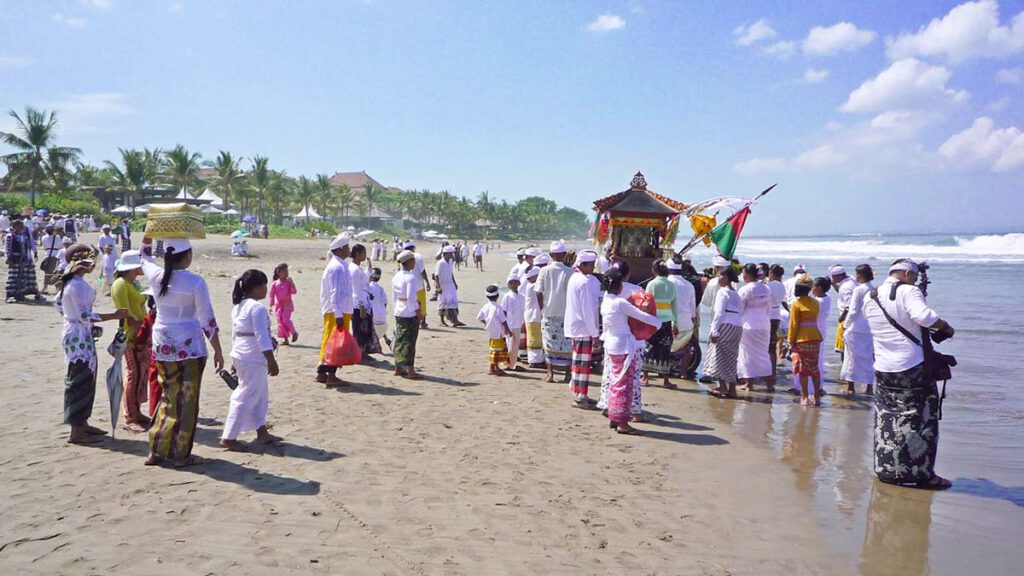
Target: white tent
142, 208
307, 212
183, 195
211, 209
213, 198
231, 212
364, 233
121, 210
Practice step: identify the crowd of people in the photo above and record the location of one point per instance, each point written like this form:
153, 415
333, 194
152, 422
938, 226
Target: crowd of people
574, 315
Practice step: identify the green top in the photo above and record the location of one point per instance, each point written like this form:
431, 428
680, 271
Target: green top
664, 292
127, 297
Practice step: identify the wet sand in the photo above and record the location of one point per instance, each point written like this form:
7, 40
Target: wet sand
460, 473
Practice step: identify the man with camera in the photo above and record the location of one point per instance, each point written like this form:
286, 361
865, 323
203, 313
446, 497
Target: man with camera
907, 400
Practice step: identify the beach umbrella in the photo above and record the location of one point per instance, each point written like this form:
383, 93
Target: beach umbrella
364, 233
239, 234
121, 210
210, 209
115, 380
249, 219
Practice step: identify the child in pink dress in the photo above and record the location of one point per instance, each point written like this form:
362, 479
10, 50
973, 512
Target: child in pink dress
281, 291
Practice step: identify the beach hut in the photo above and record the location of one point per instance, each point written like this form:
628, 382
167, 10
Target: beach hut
638, 224
121, 210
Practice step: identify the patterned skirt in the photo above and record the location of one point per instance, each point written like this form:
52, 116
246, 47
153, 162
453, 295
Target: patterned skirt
906, 426
79, 393
723, 354
174, 424
362, 329
658, 357
582, 366
21, 279
621, 371
805, 357
497, 351
407, 330
557, 348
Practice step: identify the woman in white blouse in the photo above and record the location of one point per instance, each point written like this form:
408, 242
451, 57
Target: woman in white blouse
725, 335
75, 302
754, 361
184, 320
620, 348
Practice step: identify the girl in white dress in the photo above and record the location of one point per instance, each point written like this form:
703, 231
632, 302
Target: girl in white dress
252, 354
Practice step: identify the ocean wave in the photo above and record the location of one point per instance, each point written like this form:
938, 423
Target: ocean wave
993, 248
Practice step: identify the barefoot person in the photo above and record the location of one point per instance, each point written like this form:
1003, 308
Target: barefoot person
755, 360
551, 287
493, 318
444, 279
907, 402
184, 321
281, 291
252, 356
136, 360
75, 302
805, 338
582, 308
335, 303
532, 316
514, 305
859, 357
407, 316
724, 336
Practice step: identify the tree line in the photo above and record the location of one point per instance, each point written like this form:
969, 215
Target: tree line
39, 165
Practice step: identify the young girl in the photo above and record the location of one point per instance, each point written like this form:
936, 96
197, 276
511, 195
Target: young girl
252, 354
514, 306
281, 292
379, 305
805, 338
493, 318
144, 340
108, 266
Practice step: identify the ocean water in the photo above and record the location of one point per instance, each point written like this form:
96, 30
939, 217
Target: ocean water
975, 527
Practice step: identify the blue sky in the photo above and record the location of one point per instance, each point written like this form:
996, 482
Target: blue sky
883, 116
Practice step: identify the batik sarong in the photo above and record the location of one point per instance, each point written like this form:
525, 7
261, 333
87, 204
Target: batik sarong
636, 407
582, 366
497, 351
805, 358
557, 348
79, 393
534, 344
136, 382
906, 426
682, 353
407, 330
722, 355
174, 424
621, 371
362, 329
21, 279
658, 354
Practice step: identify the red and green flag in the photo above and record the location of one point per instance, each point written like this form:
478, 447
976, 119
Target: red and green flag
727, 234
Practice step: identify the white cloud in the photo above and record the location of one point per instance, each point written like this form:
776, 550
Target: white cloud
756, 32
812, 76
760, 166
99, 4
69, 21
606, 23
970, 30
818, 159
982, 146
14, 62
842, 37
907, 82
781, 50
1011, 75
91, 113
999, 105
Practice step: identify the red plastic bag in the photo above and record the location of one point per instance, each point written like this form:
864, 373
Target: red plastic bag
342, 349
644, 301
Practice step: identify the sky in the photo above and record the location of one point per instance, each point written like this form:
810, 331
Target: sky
870, 116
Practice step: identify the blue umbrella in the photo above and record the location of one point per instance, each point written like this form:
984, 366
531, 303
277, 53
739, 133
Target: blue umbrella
249, 219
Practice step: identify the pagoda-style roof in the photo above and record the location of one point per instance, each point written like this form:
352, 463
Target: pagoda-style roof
639, 200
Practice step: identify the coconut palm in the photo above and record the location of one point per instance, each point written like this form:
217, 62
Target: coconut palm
280, 190
34, 136
372, 194
229, 180
131, 176
306, 195
324, 195
182, 167
343, 199
259, 182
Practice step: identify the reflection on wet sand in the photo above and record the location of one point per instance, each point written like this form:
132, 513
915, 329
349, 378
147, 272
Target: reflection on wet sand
896, 541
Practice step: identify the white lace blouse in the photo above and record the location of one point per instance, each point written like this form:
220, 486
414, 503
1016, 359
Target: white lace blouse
75, 305
184, 315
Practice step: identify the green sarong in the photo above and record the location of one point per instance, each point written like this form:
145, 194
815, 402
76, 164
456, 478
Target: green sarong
407, 330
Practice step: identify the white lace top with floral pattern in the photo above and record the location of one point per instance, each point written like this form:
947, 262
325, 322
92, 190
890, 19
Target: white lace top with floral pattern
184, 315
75, 305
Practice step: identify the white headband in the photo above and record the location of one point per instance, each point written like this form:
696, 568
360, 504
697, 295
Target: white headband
905, 265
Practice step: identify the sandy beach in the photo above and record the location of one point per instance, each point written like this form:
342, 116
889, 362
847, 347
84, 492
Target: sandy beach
459, 473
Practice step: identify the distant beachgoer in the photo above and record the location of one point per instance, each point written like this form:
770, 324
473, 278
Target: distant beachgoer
108, 267
907, 401
754, 361
128, 297
493, 318
282, 304
724, 335
21, 272
407, 316
514, 305
335, 303
50, 245
185, 318
444, 279
582, 311
805, 339
252, 359
859, 356
658, 355
478, 256
551, 295
74, 303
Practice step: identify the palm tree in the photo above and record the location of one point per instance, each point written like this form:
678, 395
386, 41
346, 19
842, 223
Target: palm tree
33, 135
182, 167
279, 191
343, 199
307, 195
230, 178
324, 195
131, 176
372, 194
259, 180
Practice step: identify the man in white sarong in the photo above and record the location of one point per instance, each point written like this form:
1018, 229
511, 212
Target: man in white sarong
448, 299
843, 285
859, 355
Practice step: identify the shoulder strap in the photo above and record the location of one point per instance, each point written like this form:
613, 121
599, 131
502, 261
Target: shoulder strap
904, 331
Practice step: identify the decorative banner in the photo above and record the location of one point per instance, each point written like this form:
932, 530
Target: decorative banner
603, 231
638, 222
671, 230
727, 235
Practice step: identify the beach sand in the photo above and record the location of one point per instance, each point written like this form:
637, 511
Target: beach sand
459, 473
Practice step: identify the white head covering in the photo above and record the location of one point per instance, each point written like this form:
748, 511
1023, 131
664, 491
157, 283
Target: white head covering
404, 256
533, 251
558, 247
408, 245
673, 265
799, 268
492, 290
719, 262
449, 249
836, 270
521, 252
177, 245
340, 241
586, 256
532, 272
130, 260
512, 277
67, 241
903, 265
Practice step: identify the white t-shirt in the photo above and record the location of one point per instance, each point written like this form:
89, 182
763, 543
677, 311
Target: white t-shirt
552, 283
378, 302
418, 270
778, 295
856, 322
403, 289
894, 352
492, 316
686, 302
514, 305
478, 249
582, 305
532, 313
336, 288
755, 302
360, 285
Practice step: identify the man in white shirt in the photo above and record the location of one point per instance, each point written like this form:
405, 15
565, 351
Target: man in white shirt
686, 311
407, 315
478, 256
778, 297
582, 309
50, 244
551, 286
422, 282
843, 285
444, 279
907, 400
790, 285
106, 239
335, 301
